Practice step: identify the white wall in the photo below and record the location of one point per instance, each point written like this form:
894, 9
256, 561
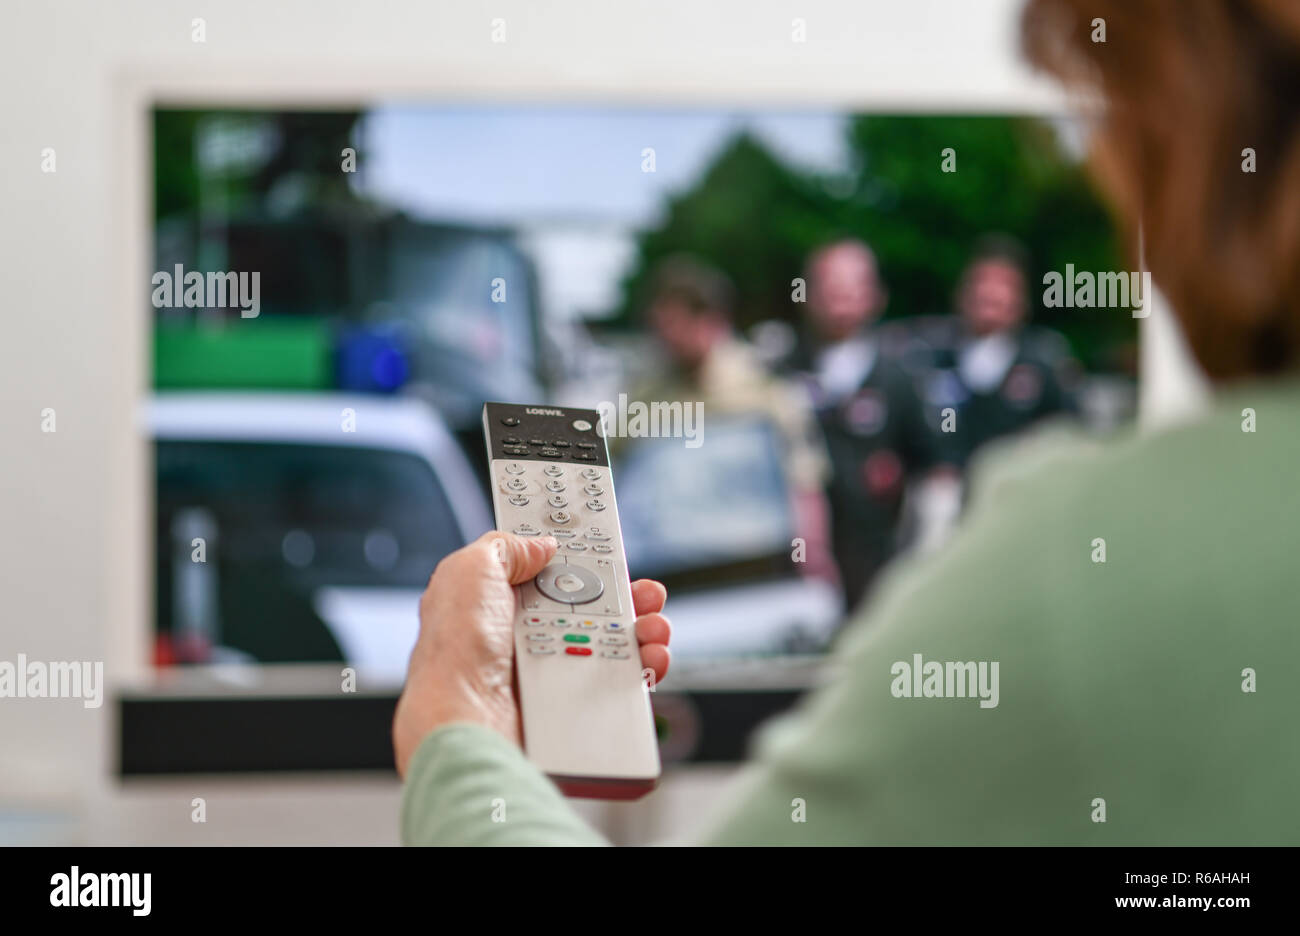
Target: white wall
78, 76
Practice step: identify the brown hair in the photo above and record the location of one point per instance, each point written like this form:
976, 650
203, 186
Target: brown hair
701, 288
997, 248
1186, 87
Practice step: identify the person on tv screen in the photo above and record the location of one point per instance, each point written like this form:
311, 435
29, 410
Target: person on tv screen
997, 373
867, 406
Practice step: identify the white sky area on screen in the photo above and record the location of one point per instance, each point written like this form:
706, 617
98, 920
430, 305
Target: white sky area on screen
513, 165
568, 179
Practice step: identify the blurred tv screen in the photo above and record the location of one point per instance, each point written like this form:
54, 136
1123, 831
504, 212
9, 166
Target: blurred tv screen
497, 251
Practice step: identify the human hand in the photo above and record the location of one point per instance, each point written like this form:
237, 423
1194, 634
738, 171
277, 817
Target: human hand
462, 666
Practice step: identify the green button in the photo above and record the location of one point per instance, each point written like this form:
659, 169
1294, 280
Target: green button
577, 638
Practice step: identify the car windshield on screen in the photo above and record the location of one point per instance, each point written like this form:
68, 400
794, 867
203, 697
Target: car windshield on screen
309, 515
692, 509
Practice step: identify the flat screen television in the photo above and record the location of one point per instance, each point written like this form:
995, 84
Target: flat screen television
314, 461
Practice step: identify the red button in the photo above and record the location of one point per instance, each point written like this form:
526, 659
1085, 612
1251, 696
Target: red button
578, 651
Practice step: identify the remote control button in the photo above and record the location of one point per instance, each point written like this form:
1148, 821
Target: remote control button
613, 641
571, 584
587, 625
553, 471
540, 638
615, 626
555, 487
515, 449
518, 500
593, 490
602, 548
595, 505
577, 638
591, 474
584, 456
514, 468
559, 443
517, 484
560, 516
613, 654
562, 534
542, 651
526, 529
582, 425
509, 420
512, 440
551, 453
587, 445
578, 651
597, 533
534, 621
536, 441
577, 546
561, 622
557, 500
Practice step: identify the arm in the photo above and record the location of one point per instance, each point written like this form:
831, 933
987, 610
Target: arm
456, 732
467, 785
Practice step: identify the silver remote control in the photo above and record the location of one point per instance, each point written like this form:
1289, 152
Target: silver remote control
587, 720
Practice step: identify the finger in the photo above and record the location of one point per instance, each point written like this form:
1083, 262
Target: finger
656, 657
648, 596
653, 629
523, 557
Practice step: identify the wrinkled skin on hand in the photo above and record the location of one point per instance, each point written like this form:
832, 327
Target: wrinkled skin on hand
462, 666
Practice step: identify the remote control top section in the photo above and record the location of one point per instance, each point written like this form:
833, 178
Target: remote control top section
587, 720
544, 433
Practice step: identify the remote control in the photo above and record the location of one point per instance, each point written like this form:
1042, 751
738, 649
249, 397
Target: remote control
587, 720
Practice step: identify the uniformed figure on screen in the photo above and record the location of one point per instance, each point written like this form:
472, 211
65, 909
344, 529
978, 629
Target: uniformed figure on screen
690, 311
867, 405
992, 374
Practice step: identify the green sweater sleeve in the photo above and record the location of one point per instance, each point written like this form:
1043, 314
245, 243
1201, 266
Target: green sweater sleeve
467, 785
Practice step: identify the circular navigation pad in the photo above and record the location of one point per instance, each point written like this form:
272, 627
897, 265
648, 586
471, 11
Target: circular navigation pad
571, 584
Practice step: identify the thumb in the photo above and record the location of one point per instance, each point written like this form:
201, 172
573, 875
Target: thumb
522, 557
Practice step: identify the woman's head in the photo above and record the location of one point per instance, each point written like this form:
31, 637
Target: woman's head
1186, 87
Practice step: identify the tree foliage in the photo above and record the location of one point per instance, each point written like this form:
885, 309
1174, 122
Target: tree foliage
757, 218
